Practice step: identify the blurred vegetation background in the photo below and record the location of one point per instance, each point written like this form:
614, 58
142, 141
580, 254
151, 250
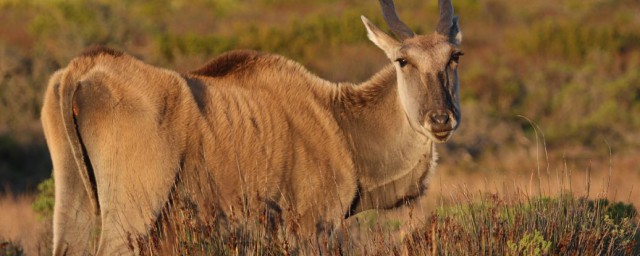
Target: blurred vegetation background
568, 70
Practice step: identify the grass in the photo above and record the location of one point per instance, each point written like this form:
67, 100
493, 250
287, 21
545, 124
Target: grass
480, 224
514, 221
20, 230
570, 66
515, 225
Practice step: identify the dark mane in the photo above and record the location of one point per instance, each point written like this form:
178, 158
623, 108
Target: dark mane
94, 51
227, 63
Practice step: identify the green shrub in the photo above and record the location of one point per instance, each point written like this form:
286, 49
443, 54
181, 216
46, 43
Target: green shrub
492, 225
530, 244
43, 205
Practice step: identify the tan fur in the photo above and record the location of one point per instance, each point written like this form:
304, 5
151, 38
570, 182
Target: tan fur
122, 134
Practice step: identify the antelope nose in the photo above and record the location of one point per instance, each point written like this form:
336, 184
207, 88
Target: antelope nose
440, 118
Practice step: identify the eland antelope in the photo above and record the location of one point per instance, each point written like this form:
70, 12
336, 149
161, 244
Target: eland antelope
248, 129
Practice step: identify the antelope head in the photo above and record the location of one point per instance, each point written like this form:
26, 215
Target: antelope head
426, 70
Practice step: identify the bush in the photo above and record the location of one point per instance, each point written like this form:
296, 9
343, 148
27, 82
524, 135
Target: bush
43, 205
532, 226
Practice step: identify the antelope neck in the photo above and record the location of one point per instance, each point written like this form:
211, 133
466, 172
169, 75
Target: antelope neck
385, 147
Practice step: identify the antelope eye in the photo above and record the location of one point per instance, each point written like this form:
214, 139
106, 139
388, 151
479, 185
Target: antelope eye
402, 62
456, 56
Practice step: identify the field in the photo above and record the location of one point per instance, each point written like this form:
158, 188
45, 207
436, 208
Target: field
550, 101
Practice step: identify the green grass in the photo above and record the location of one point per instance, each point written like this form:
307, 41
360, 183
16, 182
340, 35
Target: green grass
501, 225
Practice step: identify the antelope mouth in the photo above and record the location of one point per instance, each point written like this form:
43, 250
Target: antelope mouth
438, 133
441, 136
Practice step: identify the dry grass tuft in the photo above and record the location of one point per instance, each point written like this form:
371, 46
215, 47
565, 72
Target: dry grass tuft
19, 224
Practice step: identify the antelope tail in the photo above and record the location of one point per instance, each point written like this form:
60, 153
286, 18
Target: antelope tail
69, 113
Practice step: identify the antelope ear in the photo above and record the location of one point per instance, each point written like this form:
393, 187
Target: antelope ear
455, 35
381, 39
